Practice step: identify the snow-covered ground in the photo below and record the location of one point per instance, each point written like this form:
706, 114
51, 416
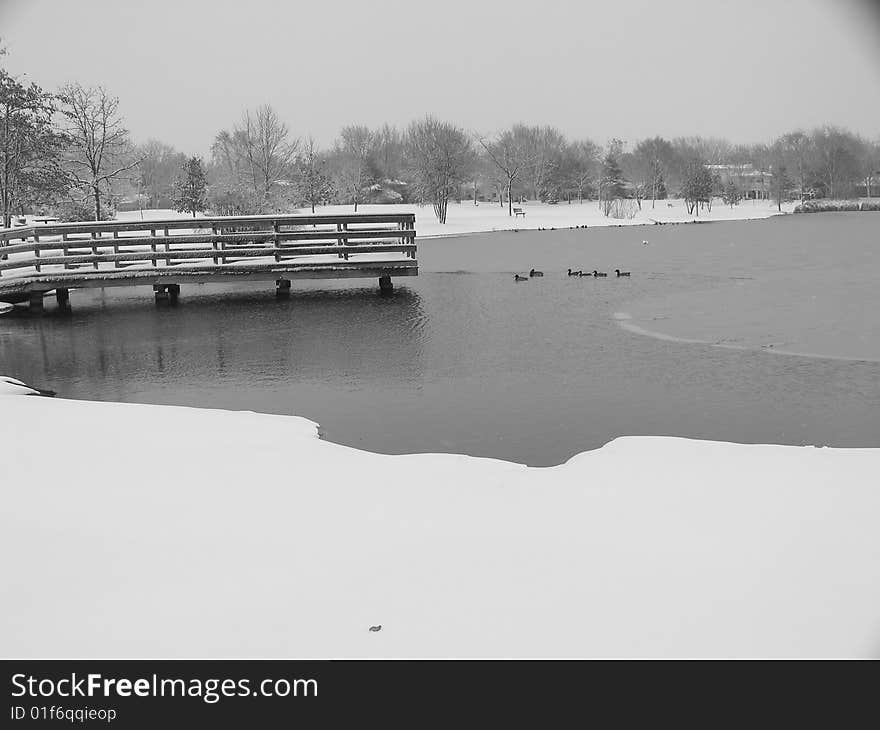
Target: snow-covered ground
468, 218
136, 530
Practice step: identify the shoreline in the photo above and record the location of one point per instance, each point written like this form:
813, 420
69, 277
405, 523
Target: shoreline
466, 219
638, 224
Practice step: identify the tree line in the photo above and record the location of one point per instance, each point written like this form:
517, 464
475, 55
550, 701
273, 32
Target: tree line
69, 152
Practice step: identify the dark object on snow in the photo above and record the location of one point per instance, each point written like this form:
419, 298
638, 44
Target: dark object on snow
42, 392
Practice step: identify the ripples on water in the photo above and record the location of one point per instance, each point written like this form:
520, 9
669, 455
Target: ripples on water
463, 360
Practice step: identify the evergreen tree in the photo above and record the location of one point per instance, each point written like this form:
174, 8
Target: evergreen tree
191, 188
731, 194
612, 185
660, 187
30, 149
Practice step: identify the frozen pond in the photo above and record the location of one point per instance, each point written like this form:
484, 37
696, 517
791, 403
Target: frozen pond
464, 360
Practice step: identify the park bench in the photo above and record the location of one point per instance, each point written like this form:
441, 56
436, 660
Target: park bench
519, 212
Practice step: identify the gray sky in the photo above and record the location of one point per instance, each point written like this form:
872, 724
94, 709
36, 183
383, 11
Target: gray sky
184, 69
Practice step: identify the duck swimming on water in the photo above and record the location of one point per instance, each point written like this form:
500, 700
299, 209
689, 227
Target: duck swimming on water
621, 273
598, 273
534, 272
574, 273
517, 277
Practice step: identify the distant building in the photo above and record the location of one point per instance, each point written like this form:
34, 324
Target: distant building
753, 183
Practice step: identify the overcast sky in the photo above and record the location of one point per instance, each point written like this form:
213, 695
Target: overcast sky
184, 69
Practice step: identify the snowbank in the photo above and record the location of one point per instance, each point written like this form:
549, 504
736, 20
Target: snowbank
485, 217
134, 530
12, 386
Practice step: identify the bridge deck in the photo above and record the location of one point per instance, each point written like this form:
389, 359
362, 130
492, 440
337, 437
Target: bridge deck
168, 253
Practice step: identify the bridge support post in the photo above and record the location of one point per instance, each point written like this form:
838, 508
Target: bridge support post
62, 296
385, 285
166, 293
35, 301
282, 288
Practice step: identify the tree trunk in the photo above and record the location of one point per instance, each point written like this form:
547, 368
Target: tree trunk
97, 194
509, 199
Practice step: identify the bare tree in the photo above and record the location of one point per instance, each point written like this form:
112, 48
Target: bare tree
353, 158
796, 150
581, 159
510, 157
636, 169
869, 163
389, 152
262, 141
231, 189
99, 145
837, 159
656, 157
543, 147
160, 165
441, 156
313, 183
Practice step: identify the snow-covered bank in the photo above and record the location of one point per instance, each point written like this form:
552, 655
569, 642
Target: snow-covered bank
133, 530
469, 218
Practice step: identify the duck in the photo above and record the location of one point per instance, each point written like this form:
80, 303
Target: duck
517, 277
621, 273
584, 273
575, 273
535, 272
598, 273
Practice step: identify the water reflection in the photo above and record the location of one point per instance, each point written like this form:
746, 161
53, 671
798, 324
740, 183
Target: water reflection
222, 341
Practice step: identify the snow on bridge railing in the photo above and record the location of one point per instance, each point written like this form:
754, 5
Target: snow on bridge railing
220, 240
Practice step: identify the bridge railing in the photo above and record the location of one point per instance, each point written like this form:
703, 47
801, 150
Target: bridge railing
210, 241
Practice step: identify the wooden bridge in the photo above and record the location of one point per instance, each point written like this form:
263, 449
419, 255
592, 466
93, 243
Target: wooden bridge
165, 254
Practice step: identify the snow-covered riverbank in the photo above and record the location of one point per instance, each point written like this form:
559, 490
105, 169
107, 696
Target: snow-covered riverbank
485, 217
134, 530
